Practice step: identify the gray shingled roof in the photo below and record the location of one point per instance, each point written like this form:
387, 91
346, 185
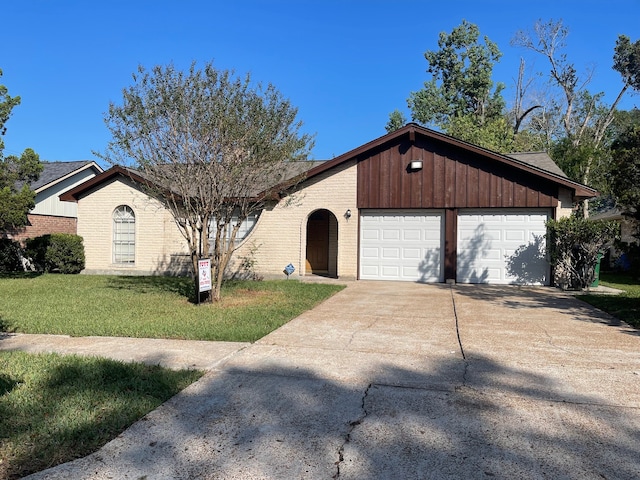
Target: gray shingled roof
539, 160
290, 171
53, 171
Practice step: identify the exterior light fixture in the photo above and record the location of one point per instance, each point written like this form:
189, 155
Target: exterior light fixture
415, 165
347, 214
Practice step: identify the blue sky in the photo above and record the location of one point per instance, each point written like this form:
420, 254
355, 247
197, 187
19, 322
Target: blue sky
344, 64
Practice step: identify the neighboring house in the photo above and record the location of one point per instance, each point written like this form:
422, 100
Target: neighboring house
628, 229
50, 214
412, 205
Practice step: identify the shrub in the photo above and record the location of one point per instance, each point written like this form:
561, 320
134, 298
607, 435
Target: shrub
36, 249
58, 252
11, 255
574, 244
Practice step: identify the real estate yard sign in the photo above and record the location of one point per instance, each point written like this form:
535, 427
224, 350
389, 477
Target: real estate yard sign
204, 275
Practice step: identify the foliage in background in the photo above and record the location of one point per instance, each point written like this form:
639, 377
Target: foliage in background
211, 146
10, 256
57, 408
625, 172
16, 197
574, 244
551, 111
56, 252
461, 98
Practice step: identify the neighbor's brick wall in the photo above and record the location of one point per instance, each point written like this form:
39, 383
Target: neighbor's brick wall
280, 233
159, 246
43, 225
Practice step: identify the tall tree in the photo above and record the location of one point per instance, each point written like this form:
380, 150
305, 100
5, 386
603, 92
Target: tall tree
16, 197
625, 172
461, 98
584, 118
211, 145
396, 121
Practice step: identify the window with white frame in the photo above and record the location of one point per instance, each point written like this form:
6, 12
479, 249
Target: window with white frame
124, 236
245, 228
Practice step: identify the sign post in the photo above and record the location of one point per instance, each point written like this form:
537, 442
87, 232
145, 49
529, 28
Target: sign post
204, 276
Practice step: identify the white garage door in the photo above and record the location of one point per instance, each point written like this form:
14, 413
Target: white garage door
401, 245
503, 247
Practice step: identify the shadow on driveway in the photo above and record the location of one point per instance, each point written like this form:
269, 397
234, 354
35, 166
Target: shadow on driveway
290, 423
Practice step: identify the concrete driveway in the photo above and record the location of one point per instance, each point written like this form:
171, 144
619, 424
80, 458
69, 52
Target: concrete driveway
401, 380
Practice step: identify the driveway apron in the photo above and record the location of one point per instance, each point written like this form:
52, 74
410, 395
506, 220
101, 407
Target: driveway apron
403, 380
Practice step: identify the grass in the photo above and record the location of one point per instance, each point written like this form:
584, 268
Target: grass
626, 306
56, 408
151, 307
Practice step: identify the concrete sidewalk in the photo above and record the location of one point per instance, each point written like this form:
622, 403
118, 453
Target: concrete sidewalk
396, 380
174, 354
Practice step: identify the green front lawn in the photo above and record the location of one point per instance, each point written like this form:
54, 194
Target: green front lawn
152, 307
56, 408
625, 306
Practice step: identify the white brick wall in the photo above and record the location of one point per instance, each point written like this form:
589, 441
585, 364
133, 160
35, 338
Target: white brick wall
280, 233
158, 239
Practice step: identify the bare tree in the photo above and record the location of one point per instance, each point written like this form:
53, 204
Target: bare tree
210, 146
584, 118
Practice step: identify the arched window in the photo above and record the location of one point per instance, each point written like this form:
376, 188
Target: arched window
245, 228
124, 236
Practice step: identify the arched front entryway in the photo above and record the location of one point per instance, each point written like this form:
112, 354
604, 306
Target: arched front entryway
322, 244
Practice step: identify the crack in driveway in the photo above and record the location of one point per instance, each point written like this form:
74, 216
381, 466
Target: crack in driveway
457, 324
352, 426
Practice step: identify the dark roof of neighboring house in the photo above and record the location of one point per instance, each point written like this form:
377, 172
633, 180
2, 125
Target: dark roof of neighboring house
540, 160
609, 214
54, 171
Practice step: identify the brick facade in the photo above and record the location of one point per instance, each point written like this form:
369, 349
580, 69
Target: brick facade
278, 238
43, 225
280, 235
159, 246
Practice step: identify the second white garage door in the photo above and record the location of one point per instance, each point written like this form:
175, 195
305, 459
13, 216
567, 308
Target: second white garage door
502, 247
402, 245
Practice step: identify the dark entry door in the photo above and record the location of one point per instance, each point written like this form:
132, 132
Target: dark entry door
318, 242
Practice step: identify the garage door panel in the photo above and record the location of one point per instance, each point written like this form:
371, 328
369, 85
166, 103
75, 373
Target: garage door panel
390, 234
407, 245
390, 253
390, 271
505, 247
371, 270
411, 253
411, 235
370, 252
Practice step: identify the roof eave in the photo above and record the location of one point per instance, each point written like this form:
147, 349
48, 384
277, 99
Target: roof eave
92, 164
74, 194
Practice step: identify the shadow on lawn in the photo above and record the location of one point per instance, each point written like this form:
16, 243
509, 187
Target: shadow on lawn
5, 327
80, 405
284, 422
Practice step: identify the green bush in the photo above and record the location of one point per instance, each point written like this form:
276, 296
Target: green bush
58, 252
11, 255
573, 245
36, 249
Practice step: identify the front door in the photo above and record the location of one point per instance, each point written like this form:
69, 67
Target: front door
318, 242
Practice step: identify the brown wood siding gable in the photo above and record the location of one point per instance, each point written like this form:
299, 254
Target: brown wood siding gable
449, 178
